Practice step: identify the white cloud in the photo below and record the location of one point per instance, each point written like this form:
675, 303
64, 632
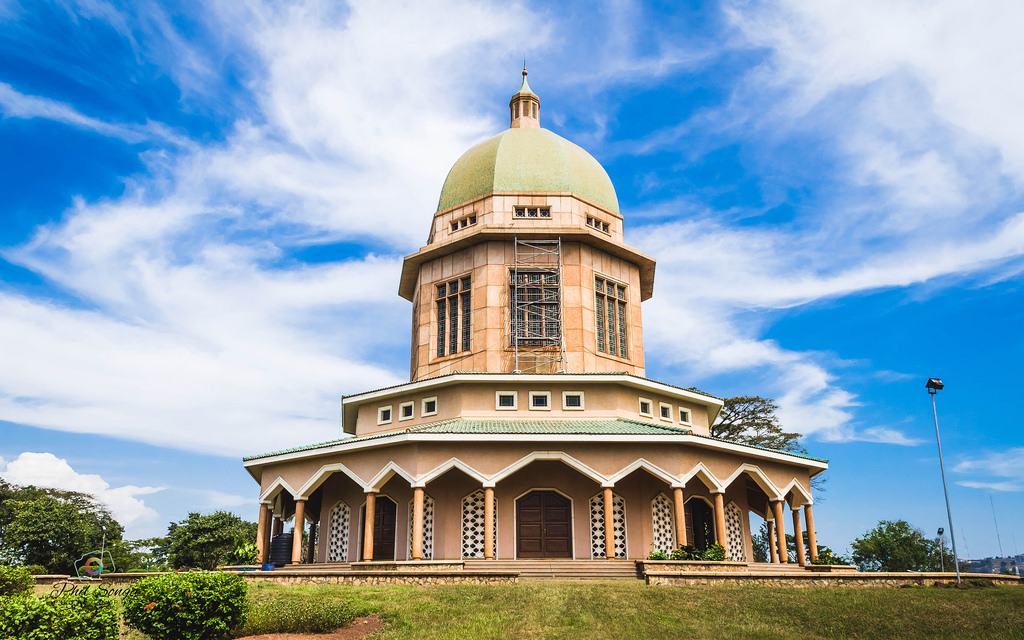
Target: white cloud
992, 486
213, 499
1001, 464
47, 470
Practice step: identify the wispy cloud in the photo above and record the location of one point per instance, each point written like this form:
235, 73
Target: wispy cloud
14, 104
1007, 464
190, 323
908, 109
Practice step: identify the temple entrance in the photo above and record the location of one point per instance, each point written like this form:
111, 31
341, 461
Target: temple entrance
384, 516
700, 524
543, 525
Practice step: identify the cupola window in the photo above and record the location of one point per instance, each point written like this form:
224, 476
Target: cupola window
462, 223
533, 212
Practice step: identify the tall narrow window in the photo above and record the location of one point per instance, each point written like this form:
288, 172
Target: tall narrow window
454, 310
610, 310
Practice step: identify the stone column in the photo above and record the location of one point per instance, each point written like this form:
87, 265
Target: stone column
678, 498
780, 531
609, 525
720, 522
278, 526
262, 535
417, 523
300, 525
798, 538
772, 547
812, 540
488, 523
371, 501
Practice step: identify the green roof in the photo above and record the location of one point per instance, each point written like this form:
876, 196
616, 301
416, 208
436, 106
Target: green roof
525, 160
463, 426
619, 427
612, 426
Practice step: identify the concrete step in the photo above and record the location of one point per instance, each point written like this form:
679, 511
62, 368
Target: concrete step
556, 569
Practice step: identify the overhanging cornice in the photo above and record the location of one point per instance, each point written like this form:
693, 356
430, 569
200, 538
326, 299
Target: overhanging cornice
412, 263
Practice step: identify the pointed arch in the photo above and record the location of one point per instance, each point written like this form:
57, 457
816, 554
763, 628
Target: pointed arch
546, 455
759, 477
321, 476
703, 474
385, 474
276, 487
801, 496
649, 467
448, 465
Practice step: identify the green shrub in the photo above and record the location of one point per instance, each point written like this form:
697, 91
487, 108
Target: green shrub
686, 552
36, 569
715, 553
15, 581
88, 614
244, 553
825, 556
186, 606
314, 615
658, 555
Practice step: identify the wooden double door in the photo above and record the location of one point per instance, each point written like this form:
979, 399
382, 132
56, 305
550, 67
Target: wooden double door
385, 513
543, 525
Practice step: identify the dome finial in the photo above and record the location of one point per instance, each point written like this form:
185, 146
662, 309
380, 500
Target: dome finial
524, 107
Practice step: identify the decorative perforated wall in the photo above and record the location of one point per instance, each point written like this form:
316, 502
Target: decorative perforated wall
734, 532
428, 528
473, 525
597, 548
663, 518
337, 546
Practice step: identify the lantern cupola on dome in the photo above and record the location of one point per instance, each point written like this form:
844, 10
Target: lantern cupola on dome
526, 158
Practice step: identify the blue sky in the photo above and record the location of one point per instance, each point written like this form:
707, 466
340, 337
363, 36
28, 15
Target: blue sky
205, 207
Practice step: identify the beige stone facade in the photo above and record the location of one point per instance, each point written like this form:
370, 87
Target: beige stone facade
528, 429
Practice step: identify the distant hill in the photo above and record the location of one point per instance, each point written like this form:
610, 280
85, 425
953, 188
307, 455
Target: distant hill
998, 565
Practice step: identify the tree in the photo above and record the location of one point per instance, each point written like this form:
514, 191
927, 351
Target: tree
752, 420
896, 546
52, 527
205, 541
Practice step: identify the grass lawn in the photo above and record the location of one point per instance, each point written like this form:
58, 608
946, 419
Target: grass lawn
621, 609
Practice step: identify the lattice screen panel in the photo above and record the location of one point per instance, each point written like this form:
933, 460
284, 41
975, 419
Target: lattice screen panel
663, 517
337, 547
597, 548
734, 532
428, 528
473, 525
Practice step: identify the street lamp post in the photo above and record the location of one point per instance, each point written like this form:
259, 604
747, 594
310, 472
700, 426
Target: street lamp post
942, 550
934, 385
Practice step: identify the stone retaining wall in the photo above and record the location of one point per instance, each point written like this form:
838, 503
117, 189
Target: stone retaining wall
426, 565
361, 578
702, 566
803, 580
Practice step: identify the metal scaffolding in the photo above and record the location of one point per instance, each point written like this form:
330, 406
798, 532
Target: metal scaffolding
536, 283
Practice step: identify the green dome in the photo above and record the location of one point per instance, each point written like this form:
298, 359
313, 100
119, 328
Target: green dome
527, 160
